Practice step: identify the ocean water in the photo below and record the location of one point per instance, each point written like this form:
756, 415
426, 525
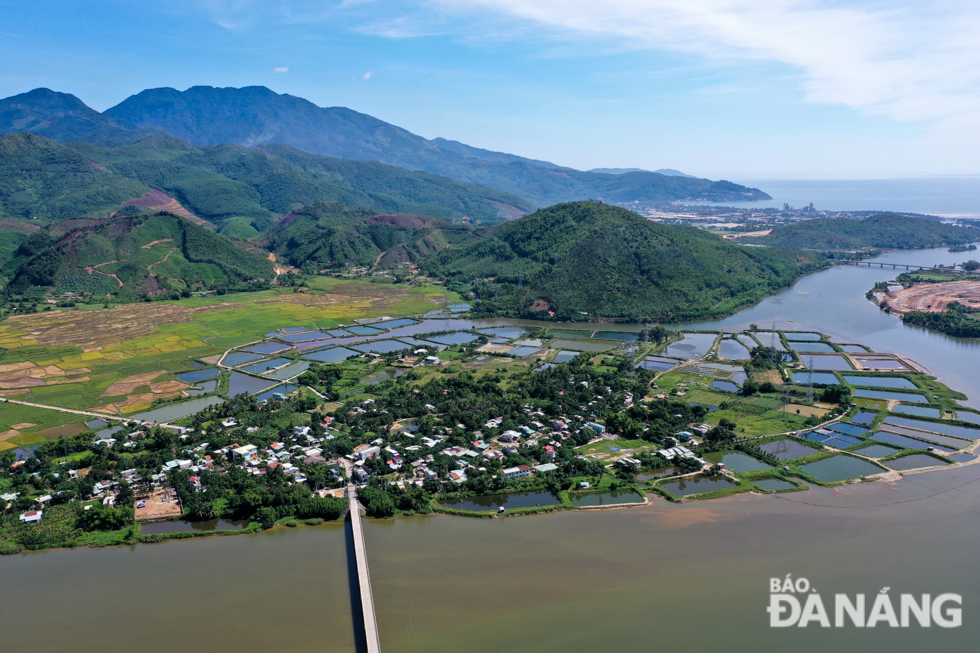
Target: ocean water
947, 196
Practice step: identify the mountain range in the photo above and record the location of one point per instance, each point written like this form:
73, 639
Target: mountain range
256, 116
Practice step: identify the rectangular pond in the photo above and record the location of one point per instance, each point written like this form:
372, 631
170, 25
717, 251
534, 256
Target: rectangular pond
921, 411
848, 429
655, 366
898, 382
382, 346
876, 451
826, 362
786, 449
885, 394
339, 333
360, 330
279, 389
724, 385
616, 335
737, 461
840, 468
239, 383
881, 363
965, 416
565, 356
569, 334
863, 417
811, 346
819, 378
773, 485
915, 461
173, 412
694, 345
305, 337
198, 375
904, 442
790, 335
334, 355
236, 358
658, 473
935, 438
732, 350
460, 338
505, 332
836, 440
609, 498
265, 366
583, 345
266, 348
290, 371
509, 501
685, 487
422, 343
938, 427
854, 349
202, 388
529, 342
394, 324
521, 352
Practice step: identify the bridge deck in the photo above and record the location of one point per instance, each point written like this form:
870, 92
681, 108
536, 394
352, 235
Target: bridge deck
363, 575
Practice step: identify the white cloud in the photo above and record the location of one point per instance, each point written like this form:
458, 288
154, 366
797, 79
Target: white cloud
367, 76
283, 69
906, 60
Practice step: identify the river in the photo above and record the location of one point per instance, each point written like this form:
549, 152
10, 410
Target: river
692, 577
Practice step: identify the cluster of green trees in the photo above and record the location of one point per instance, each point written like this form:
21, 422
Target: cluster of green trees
955, 320
885, 230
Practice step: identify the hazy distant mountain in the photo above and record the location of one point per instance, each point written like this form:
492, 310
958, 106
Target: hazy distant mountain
63, 117
668, 172
255, 115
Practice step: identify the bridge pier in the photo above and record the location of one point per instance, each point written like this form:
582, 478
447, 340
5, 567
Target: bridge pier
363, 575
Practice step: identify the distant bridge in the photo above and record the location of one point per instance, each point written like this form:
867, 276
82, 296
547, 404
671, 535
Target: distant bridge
363, 575
905, 266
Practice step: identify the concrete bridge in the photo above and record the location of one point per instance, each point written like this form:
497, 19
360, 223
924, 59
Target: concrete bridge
363, 575
903, 266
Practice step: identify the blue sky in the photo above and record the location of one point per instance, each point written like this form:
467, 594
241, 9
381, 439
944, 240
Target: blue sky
737, 89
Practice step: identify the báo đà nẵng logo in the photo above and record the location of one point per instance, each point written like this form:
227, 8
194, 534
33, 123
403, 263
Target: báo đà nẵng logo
794, 603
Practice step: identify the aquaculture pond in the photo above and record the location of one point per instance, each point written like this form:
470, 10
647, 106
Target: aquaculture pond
583, 345
826, 362
655, 366
786, 449
694, 345
848, 429
508, 501
965, 416
907, 443
290, 371
790, 335
460, 338
948, 429
185, 526
363, 330
265, 366
854, 349
236, 358
935, 438
876, 451
382, 346
616, 335
819, 378
724, 385
773, 485
505, 332
172, 412
198, 375
609, 498
239, 383
565, 356
732, 350
658, 473
394, 324
885, 394
339, 333
881, 363
698, 485
284, 330
521, 352
915, 461
304, 337
279, 389
737, 462
863, 417
840, 468
423, 343
334, 355
266, 348
811, 346
897, 382
202, 388
962, 457
832, 439
921, 411
529, 342
569, 335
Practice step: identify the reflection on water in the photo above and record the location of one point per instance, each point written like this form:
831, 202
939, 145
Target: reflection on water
184, 526
507, 501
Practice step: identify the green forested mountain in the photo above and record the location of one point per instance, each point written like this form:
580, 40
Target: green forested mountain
41, 178
885, 230
131, 255
587, 258
329, 235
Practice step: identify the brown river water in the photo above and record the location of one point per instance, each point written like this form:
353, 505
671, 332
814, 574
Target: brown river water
691, 577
